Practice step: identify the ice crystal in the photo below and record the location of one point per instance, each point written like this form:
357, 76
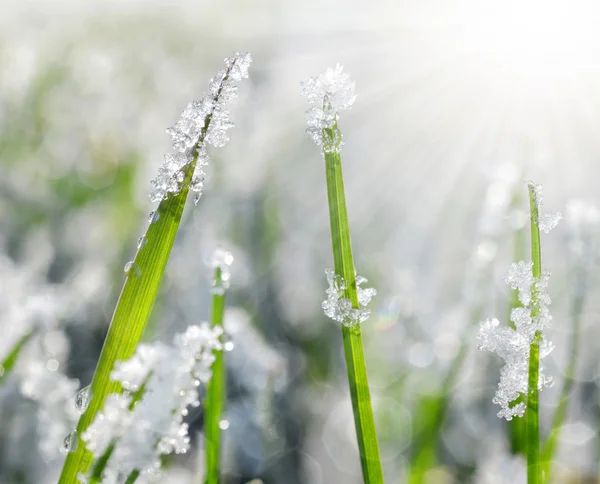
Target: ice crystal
513, 344
171, 375
548, 220
331, 92
220, 259
203, 122
339, 308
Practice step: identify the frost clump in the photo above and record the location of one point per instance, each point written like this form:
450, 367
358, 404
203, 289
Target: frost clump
547, 220
170, 376
204, 122
513, 344
220, 259
332, 92
339, 308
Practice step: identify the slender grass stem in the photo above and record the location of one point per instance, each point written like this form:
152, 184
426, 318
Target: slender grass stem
534, 469
216, 394
134, 306
352, 338
9, 362
517, 426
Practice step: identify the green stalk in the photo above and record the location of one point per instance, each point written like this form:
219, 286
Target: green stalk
9, 362
216, 393
132, 310
517, 426
353, 346
534, 469
549, 447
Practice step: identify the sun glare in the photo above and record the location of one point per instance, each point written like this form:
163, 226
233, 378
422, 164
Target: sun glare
533, 39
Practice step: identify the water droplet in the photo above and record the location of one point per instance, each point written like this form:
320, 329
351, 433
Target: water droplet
228, 344
197, 198
82, 399
141, 242
153, 217
52, 364
70, 443
184, 412
131, 269
224, 424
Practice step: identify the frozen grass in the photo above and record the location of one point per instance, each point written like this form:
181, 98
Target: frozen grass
216, 395
353, 347
200, 122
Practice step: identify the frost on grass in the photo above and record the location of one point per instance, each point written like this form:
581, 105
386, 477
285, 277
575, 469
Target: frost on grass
220, 259
204, 122
339, 308
143, 431
331, 93
513, 344
546, 221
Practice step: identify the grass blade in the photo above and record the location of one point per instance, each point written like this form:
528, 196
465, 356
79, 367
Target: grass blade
353, 346
145, 273
534, 469
9, 362
216, 393
130, 316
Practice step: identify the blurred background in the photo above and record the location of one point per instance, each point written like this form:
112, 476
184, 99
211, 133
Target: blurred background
459, 103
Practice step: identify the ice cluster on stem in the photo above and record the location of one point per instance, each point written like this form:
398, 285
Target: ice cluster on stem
339, 308
204, 122
220, 260
331, 93
513, 344
142, 431
547, 220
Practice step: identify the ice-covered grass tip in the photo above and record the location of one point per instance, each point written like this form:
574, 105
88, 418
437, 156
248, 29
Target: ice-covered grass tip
204, 122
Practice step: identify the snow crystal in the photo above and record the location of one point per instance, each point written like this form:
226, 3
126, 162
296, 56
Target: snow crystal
339, 308
203, 122
220, 259
171, 374
513, 344
331, 92
548, 220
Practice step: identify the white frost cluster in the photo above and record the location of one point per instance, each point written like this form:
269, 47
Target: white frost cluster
547, 220
222, 259
331, 92
203, 122
339, 308
171, 375
513, 344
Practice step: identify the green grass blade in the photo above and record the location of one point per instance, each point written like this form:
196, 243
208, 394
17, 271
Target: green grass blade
534, 469
353, 346
9, 362
135, 303
130, 316
517, 427
216, 395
